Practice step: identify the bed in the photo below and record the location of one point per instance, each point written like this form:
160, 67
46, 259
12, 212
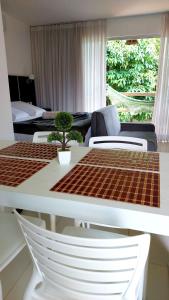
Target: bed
28, 118
81, 122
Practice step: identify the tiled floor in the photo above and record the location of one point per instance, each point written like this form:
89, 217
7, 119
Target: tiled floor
163, 147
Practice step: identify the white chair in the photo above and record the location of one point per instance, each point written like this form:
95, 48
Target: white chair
118, 142
41, 136
11, 239
84, 264
114, 142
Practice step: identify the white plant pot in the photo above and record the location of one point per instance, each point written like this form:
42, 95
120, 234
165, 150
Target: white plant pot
64, 157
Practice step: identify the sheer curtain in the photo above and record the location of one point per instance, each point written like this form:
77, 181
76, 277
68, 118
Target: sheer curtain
161, 108
93, 62
69, 65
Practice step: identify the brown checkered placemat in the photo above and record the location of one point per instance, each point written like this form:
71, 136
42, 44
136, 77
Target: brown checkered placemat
114, 184
31, 150
122, 159
14, 171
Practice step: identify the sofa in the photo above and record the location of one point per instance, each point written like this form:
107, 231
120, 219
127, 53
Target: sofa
105, 121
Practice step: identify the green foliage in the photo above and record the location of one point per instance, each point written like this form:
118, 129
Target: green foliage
63, 121
74, 135
55, 136
133, 68
125, 117
128, 117
63, 134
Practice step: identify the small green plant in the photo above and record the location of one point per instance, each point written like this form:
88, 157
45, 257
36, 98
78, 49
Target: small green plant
63, 133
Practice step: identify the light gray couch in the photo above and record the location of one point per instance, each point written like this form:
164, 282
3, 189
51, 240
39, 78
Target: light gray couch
105, 122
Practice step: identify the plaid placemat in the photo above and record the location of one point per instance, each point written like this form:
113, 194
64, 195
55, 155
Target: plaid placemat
14, 171
122, 159
114, 184
31, 150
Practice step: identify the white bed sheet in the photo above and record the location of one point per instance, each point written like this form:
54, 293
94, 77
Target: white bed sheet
22, 111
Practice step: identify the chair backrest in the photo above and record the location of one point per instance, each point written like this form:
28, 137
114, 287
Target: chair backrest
41, 136
118, 142
87, 268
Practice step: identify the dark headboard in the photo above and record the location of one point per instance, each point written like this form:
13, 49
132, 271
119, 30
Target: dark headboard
22, 88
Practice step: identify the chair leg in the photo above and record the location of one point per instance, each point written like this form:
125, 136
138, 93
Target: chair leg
39, 215
142, 295
35, 279
53, 222
145, 276
141, 289
78, 223
87, 225
1, 298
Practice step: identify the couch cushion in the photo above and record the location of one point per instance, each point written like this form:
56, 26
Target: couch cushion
147, 135
105, 121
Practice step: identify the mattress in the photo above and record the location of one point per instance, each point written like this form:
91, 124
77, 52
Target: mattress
81, 122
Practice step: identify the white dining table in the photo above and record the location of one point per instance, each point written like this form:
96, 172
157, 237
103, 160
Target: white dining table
34, 194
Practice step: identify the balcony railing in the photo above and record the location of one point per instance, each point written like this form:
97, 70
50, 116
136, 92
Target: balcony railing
139, 94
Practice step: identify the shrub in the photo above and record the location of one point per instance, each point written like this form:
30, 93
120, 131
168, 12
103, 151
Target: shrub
63, 133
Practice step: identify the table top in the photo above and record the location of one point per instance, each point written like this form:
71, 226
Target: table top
35, 194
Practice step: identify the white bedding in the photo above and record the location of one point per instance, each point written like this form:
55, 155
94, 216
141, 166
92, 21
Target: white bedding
22, 111
19, 115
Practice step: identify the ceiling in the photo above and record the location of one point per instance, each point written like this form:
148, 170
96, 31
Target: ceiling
36, 12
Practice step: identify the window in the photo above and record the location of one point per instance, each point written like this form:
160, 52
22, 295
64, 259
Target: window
132, 68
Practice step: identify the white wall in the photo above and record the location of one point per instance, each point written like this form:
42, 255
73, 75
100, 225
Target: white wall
18, 48
17, 37
137, 26
6, 128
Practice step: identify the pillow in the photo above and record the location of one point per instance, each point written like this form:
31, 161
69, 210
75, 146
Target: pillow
30, 109
112, 120
49, 114
105, 121
19, 115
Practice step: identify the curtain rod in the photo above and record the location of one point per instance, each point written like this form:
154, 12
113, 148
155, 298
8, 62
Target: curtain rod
68, 23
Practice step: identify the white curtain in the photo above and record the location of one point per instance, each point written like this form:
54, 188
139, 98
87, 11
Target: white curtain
161, 108
69, 65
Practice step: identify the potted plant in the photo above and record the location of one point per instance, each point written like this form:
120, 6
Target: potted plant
64, 134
